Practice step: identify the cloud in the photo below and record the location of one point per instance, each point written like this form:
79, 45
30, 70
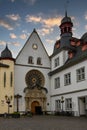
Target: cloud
23, 36
12, 1
13, 36
6, 25
14, 17
49, 41
49, 22
33, 19
85, 27
75, 21
16, 44
31, 2
45, 31
2, 42
85, 16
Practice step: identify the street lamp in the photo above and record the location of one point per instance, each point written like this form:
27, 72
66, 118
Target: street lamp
17, 96
8, 101
62, 101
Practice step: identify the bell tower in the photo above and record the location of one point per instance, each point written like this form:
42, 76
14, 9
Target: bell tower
66, 26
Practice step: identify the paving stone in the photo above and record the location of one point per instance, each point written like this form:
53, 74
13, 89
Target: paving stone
44, 123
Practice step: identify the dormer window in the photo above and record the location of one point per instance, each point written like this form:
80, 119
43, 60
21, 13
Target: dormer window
84, 47
78, 43
56, 62
71, 54
39, 61
57, 44
30, 60
73, 43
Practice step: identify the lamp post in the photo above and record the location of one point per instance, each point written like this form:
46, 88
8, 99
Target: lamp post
8, 101
62, 101
17, 96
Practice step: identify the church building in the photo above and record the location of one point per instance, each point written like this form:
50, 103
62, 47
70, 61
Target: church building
40, 83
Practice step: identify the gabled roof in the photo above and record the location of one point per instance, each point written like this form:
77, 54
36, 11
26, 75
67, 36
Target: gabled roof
34, 31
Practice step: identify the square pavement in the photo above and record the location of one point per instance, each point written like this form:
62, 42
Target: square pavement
44, 123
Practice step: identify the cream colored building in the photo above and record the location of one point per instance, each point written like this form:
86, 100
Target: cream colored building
6, 82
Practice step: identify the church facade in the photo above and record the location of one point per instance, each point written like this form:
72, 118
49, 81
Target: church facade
40, 83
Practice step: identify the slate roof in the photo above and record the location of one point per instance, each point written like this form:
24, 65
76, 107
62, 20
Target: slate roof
6, 53
65, 44
79, 57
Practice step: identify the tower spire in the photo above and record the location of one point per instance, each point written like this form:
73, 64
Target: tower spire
66, 7
66, 23
66, 13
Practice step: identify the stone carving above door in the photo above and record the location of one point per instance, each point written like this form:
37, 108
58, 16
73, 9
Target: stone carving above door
35, 91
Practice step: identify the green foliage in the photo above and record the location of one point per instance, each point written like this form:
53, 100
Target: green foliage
16, 115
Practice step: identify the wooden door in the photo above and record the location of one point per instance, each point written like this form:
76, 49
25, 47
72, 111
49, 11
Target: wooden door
33, 106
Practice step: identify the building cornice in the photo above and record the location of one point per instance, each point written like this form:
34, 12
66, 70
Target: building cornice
69, 64
33, 66
75, 91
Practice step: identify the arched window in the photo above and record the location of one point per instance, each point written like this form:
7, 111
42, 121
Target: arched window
65, 29
11, 79
39, 61
30, 60
4, 79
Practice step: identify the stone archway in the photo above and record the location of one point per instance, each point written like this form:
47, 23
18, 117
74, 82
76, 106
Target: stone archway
35, 101
35, 92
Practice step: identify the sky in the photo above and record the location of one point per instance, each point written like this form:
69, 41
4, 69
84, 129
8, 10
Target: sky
18, 18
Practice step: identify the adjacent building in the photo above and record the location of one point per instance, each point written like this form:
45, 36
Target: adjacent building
68, 75
6, 81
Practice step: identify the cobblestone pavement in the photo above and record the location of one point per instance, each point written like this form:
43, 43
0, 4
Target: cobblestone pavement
44, 123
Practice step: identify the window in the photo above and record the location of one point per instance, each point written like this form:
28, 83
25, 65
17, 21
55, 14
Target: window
58, 105
67, 79
4, 79
30, 60
56, 62
39, 61
80, 74
68, 103
11, 79
65, 29
57, 82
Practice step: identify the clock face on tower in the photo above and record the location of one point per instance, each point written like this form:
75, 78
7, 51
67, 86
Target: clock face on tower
34, 46
34, 78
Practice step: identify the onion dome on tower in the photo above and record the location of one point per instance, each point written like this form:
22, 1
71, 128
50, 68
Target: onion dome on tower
64, 43
66, 25
6, 53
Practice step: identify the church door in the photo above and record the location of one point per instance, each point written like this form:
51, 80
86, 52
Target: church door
34, 107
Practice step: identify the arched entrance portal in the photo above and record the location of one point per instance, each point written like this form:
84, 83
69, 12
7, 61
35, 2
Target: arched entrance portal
35, 92
36, 108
